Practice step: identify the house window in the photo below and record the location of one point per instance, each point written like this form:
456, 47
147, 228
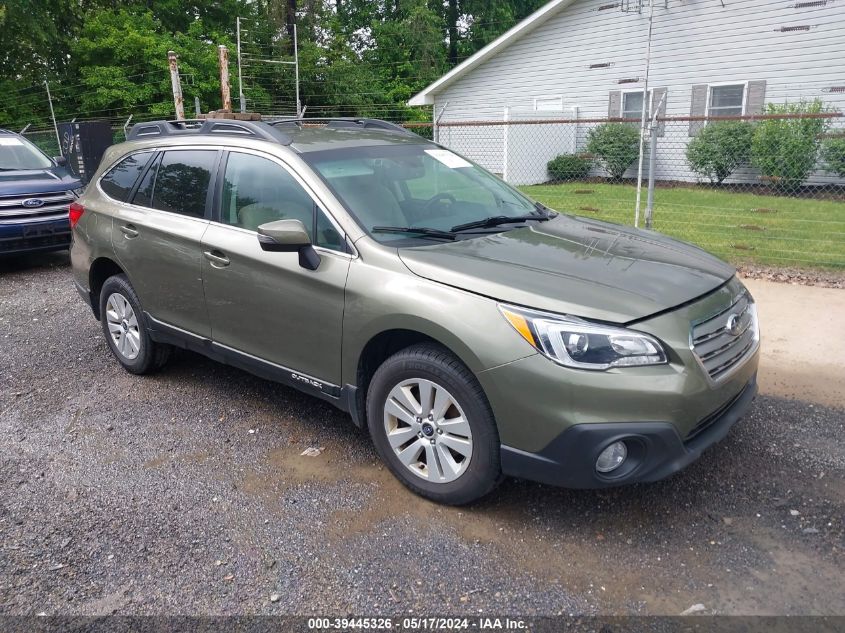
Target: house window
554, 103
632, 105
726, 100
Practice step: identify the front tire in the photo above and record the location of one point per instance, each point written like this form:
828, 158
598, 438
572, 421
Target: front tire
125, 329
432, 425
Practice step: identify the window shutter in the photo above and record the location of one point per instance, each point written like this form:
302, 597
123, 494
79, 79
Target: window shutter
755, 97
614, 107
698, 107
656, 95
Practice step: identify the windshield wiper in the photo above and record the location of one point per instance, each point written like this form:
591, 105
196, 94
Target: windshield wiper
551, 213
497, 220
421, 230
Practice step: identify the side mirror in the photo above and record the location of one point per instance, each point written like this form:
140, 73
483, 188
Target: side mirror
289, 236
61, 161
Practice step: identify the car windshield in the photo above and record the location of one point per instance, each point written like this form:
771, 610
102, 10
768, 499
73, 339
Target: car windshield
435, 193
15, 154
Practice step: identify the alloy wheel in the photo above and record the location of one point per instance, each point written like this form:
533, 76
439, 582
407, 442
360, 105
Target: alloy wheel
122, 323
427, 430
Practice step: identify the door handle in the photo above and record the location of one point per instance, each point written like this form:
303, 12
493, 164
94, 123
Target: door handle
129, 230
216, 258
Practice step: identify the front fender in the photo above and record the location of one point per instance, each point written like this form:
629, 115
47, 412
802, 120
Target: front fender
380, 298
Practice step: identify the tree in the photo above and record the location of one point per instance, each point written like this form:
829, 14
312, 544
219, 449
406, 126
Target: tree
33, 32
452, 27
488, 19
569, 167
615, 145
107, 59
833, 152
122, 56
720, 148
786, 150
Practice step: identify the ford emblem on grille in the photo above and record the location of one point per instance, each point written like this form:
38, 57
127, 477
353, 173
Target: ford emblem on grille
733, 325
33, 203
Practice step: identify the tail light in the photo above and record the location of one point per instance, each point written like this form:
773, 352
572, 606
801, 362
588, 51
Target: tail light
75, 212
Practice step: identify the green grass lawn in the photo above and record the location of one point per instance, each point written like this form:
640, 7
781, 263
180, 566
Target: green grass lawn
739, 227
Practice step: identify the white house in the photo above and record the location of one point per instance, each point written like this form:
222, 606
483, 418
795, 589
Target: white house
583, 60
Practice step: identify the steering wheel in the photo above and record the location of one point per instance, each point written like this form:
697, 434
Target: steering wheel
437, 197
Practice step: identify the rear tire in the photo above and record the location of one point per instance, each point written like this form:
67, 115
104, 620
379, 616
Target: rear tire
125, 328
432, 425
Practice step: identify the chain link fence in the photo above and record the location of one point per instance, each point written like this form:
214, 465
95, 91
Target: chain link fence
767, 190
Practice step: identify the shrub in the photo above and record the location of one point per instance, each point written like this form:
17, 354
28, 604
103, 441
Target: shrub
569, 167
615, 145
833, 152
720, 148
786, 150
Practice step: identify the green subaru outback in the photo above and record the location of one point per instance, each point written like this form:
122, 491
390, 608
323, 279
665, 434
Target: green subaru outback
474, 332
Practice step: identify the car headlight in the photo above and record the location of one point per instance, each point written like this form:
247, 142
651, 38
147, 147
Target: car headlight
577, 343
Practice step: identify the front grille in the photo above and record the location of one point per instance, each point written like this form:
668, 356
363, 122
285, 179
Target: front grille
725, 339
14, 211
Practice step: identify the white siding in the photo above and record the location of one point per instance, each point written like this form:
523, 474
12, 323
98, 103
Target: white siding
695, 42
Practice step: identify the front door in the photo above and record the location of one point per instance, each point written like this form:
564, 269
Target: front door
265, 304
157, 237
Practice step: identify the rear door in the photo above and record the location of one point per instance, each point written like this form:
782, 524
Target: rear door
264, 304
157, 236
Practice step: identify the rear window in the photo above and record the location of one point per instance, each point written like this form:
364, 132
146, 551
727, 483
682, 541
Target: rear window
118, 182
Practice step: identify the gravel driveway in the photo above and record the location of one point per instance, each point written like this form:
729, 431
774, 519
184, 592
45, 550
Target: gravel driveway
187, 492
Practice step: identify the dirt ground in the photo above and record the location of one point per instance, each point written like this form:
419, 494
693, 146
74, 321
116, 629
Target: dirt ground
803, 330
186, 492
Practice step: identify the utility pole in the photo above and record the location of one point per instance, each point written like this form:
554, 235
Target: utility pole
241, 100
53, 116
296, 65
177, 86
652, 162
300, 111
223, 60
643, 119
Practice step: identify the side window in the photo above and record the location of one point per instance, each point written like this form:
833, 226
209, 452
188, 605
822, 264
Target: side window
117, 183
726, 100
181, 184
327, 235
632, 105
257, 190
144, 194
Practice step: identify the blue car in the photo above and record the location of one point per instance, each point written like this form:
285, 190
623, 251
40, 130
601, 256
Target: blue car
35, 193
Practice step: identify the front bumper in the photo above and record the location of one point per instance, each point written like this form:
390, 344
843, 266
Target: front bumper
655, 449
553, 421
35, 236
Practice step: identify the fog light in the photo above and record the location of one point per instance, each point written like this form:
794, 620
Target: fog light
612, 457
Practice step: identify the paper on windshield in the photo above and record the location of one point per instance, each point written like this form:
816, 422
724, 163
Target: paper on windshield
453, 161
10, 140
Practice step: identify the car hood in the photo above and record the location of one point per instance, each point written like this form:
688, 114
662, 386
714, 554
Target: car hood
575, 266
37, 181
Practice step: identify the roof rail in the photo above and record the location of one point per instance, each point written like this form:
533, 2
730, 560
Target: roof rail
345, 122
226, 127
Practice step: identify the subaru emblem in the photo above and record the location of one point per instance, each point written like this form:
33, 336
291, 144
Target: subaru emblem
733, 325
33, 203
